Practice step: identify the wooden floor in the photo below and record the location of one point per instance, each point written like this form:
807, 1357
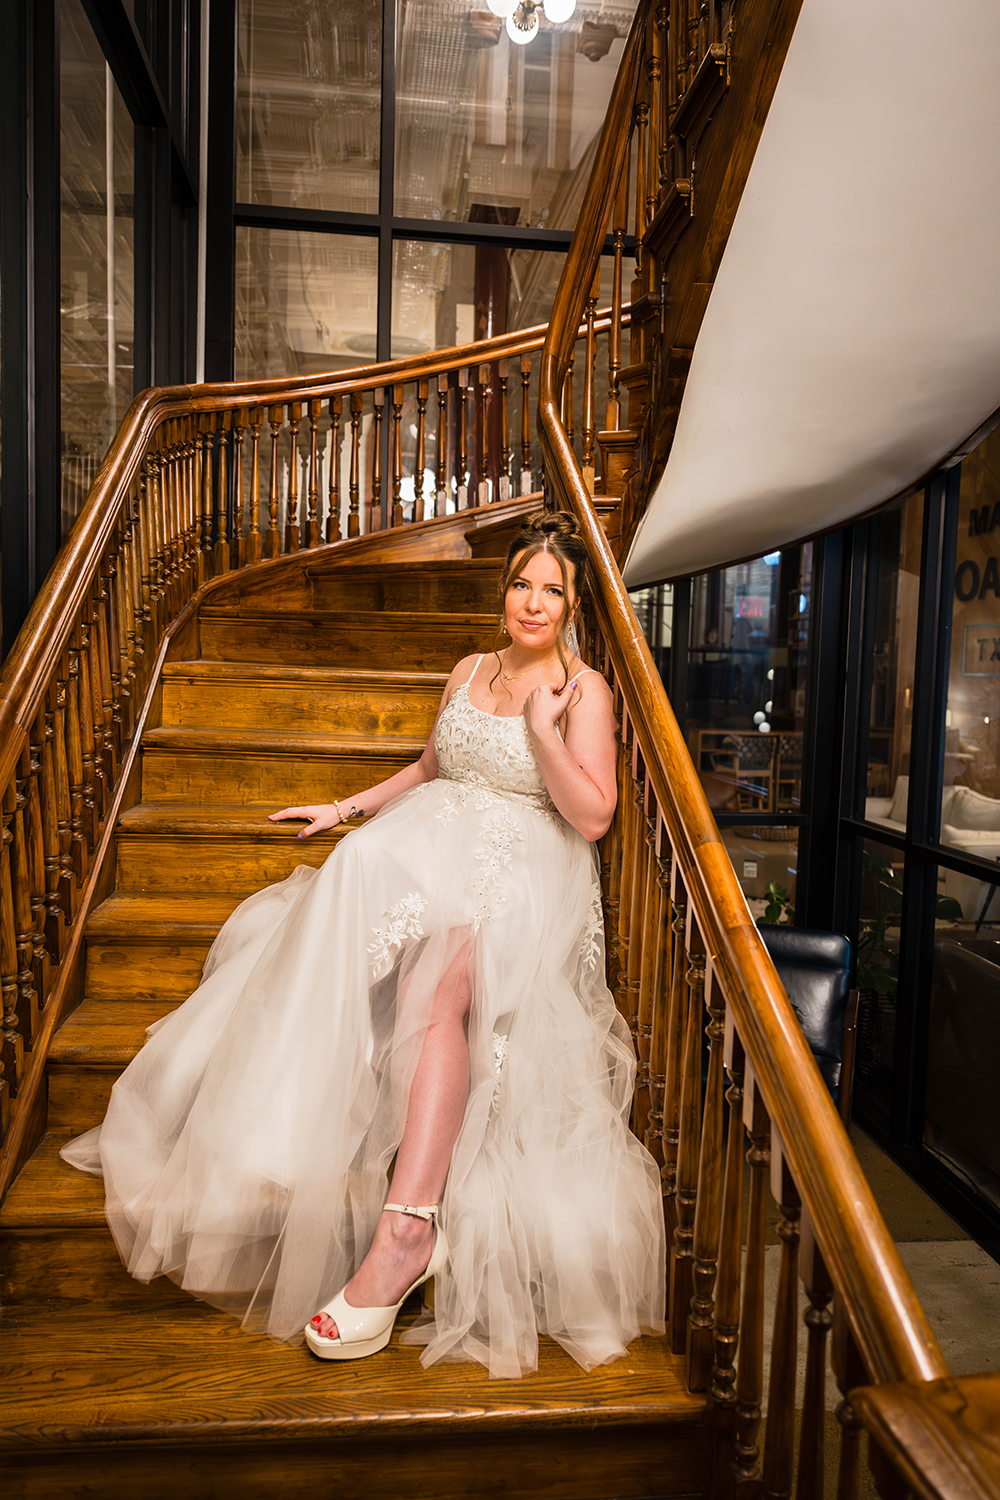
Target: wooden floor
108, 1387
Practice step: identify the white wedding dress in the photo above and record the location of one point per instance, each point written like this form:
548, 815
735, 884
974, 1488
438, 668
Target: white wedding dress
245, 1150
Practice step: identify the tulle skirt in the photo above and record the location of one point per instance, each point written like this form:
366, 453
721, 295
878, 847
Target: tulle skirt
246, 1150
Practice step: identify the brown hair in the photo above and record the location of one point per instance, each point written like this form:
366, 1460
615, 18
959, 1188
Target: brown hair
557, 533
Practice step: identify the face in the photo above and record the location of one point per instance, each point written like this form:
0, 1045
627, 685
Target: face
535, 601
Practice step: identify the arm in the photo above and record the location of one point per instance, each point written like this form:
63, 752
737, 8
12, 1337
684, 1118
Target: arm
365, 804
580, 769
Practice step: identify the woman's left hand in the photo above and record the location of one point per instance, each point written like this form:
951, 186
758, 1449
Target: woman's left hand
545, 706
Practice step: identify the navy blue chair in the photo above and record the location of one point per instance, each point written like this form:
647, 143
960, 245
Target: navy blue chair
815, 968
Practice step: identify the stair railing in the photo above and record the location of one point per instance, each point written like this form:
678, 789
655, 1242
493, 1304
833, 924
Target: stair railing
200, 481
687, 961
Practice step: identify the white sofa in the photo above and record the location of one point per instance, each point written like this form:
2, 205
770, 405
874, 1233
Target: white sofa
970, 822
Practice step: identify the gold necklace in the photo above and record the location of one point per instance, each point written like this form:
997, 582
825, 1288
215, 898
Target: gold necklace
507, 677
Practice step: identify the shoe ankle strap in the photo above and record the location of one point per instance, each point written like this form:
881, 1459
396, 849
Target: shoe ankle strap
429, 1211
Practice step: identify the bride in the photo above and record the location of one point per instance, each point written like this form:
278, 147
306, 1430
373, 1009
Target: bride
424, 1017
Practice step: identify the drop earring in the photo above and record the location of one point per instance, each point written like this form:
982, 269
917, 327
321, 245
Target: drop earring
572, 640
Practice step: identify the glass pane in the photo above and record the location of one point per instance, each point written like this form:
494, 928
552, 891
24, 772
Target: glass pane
962, 1122
970, 797
308, 110
878, 972
96, 257
766, 862
748, 680
488, 131
654, 608
897, 583
305, 303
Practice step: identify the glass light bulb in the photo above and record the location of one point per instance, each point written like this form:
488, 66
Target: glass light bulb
558, 11
764, 727
522, 23
501, 8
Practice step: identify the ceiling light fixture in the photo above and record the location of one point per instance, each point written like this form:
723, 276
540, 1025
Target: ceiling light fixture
522, 22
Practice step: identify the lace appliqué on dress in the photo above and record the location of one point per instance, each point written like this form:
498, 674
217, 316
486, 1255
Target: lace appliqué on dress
403, 923
589, 950
500, 832
501, 1044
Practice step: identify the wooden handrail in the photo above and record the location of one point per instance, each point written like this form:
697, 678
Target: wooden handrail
886, 1319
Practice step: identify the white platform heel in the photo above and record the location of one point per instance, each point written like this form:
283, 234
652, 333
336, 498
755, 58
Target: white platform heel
366, 1330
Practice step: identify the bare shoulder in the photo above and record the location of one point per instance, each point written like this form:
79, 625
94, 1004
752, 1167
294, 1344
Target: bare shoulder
590, 686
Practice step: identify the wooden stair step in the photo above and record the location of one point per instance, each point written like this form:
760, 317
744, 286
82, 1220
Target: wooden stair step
88, 1054
55, 1244
152, 946
250, 695
156, 1398
276, 770
217, 848
440, 587
371, 639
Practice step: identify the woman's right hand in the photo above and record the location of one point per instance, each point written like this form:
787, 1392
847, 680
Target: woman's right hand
320, 816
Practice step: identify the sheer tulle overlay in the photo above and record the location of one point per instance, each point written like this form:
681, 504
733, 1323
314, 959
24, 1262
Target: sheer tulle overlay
245, 1151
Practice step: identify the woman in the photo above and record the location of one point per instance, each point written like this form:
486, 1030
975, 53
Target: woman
432, 1000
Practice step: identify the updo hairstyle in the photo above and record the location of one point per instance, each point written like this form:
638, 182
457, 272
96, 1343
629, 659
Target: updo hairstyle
558, 533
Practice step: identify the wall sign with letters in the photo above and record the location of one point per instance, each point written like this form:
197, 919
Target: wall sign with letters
981, 650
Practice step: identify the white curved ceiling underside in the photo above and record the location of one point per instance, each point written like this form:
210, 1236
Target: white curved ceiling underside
852, 338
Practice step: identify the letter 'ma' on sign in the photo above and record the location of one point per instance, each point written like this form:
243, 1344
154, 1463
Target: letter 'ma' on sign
984, 519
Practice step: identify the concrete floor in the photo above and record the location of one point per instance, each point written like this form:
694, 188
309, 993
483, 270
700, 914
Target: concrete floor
957, 1282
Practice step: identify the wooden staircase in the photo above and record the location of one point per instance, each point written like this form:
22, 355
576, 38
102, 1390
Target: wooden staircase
289, 682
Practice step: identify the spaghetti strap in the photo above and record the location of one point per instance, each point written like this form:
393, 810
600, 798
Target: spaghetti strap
576, 676
468, 680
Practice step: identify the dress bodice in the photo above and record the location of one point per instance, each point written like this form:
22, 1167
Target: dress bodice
485, 750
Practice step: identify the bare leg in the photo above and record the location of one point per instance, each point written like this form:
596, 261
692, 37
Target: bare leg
402, 1245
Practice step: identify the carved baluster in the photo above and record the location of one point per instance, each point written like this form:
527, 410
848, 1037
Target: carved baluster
485, 403
441, 499
375, 514
292, 528
103, 711
709, 1210
147, 554
272, 537
93, 673
34, 836
129, 601
333, 482
421, 509
663, 100
397, 456
663, 869
722, 1389
164, 544
503, 479
68, 894
779, 1444
32, 976
193, 471
750, 1369
850, 1372
89, 748
567, 400
688, 1143
112, 699
79, 849
462, 491
819, 1320
638, 903
675, 1024
241, 421
12, 1054
648, 944
206, 451
525, 488
642, 121
254, 539
588, 382
183, 514
612, 412
653, 90
611, 863
219, 444
312, 500
626, 802
354, 491
55, 921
